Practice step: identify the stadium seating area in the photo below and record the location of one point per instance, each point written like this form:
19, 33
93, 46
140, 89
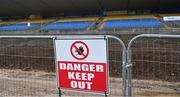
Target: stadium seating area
52, 24
100, 23
17, 27
75, 25
132, 23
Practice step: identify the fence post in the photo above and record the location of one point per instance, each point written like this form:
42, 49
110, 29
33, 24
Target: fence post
123, 64
129, 72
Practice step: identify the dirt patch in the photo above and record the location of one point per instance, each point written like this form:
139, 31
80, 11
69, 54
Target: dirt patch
157, 94
43, 84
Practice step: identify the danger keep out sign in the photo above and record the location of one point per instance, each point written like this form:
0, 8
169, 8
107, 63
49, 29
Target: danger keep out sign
82, 64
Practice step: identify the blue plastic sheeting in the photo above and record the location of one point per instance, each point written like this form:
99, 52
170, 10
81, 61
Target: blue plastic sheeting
132, 23
68, 25
17, 27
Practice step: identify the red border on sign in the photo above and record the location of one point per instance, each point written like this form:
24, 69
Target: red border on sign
101, 83
84, 55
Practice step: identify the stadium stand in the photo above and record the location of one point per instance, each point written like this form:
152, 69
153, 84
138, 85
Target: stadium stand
71, 24
20, 25
17, 27
131, 22
52, 24
91, 23
76, 25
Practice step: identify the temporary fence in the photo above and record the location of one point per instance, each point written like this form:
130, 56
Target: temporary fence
153, 66
27, 66
149, 67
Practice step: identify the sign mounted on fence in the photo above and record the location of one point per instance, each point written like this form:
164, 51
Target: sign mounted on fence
82, 64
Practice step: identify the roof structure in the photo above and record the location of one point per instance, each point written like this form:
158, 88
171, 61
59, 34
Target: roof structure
72, 7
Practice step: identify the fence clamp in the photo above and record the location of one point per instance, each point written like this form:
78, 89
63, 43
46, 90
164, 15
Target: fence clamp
128, 65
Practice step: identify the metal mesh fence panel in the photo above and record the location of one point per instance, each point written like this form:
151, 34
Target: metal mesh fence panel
156, 67
115, 67
27, 68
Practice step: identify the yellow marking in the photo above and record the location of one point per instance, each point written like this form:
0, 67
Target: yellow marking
78, 19
128, 17
9, 22
38, 21
166, 26
101, 26
174, 14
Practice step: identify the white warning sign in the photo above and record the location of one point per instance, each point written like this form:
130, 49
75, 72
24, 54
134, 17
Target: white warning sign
82, 64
